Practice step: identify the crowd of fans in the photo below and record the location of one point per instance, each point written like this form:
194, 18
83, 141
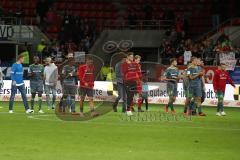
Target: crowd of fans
74, 33
176, 46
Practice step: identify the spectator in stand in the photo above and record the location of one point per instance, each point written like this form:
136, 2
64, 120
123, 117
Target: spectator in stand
71, 46
180, 53
188, 51
41, 46
86, 43
53, 49
208, 51
173, 35
104, 71
168, 52
46, 53
51, 16
225, 41
81, 47
218, 47
195, 51
25, 53
180, 48
111, 76
223, 37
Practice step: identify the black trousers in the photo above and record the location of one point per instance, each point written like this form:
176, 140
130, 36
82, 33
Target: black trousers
146, 102
131, 89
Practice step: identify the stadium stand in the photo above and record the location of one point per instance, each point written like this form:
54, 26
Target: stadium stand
184, 20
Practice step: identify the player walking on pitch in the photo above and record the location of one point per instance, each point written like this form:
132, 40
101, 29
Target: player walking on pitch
220, 80
188, 101
50, 78
171, 75
137, 59
18, 84
120, 87
86, 77
69, 87
35, 73
195, 84
130, 70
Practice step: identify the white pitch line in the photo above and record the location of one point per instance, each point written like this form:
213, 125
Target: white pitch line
42, 119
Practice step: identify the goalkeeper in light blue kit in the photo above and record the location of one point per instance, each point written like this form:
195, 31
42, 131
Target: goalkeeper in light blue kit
35, 73
171, 75
18, 84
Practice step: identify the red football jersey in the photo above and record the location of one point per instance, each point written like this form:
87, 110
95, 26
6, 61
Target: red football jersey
86, 75
131, 71
220, 80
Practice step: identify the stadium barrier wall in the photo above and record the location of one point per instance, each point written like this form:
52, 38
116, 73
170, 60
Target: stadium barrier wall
104, 91
209, 70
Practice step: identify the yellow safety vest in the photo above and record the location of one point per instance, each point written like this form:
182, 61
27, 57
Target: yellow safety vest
25, 54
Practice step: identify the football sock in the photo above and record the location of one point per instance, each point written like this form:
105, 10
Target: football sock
40, 103
170, 104
72, 103
220, 103
32, 100
146, 103
199, 109
54, 99
198, 104
218, 107
185, 109
81, 109
192, 105
139, 103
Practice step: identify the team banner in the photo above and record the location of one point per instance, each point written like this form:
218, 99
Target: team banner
235, 75
228, 59
105, 91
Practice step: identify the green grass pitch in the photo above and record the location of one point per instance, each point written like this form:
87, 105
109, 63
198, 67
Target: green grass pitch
108, 137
